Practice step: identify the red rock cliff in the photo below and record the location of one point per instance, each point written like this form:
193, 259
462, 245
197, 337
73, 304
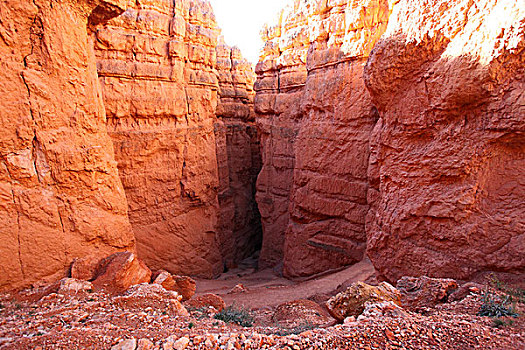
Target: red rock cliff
315, 116
186, 173
60, 194
436, 187
448, 79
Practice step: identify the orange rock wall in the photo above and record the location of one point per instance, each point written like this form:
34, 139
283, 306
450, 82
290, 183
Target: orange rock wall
424, 164
448, 79
161, 81
60, 195
316, 116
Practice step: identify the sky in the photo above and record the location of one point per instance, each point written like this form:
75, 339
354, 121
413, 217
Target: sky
242, 20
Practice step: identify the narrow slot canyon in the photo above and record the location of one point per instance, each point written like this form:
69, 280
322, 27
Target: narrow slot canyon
363, 178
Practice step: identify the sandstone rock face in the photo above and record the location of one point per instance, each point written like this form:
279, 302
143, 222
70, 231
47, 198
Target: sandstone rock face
448, 152
60, 194
352, 301
156, 66
315, 116
188, 175
238, 157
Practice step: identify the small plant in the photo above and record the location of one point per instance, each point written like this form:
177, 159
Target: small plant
239, 316
191, 325
516, 294
494, 306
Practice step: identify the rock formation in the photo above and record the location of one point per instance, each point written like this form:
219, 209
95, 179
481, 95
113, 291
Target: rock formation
188, 175
426, 167
315, 117
448, 191
238, 157
179, 123
60, 194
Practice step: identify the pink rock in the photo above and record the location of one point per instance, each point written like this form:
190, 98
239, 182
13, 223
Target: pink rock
352, 302
183, 285
118, 272
417, 292
179, 108
315, 116
206, 301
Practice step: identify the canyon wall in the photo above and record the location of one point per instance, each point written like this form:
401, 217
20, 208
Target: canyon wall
449, 149
316, 116
238, 156
422, 166
60, 194
187, 174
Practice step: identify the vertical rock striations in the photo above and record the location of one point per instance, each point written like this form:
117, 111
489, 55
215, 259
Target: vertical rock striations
448, 79
186, 173
60, 194
315, 116
238, 156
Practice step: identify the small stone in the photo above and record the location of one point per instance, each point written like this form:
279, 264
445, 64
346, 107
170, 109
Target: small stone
145, 344
128, 344
181, 344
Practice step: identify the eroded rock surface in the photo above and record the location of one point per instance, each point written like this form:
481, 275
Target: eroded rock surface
352, 302
238, 157
448, 152
315, 116
188, 175
60, 194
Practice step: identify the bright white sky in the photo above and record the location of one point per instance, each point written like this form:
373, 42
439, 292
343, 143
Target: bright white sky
242, 20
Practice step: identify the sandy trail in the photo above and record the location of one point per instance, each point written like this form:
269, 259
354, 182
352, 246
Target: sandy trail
266, 289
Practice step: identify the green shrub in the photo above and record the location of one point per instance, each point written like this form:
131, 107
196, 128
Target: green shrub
239, 316
515, 294
494, 306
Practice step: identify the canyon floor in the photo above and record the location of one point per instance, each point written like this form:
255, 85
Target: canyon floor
98, 321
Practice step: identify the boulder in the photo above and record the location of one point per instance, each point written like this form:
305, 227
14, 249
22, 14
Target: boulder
418, 292
206, 301
352, 301
118, 272
85, 268
382, 309
183, 285
238, 288
127, 344
300, 312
